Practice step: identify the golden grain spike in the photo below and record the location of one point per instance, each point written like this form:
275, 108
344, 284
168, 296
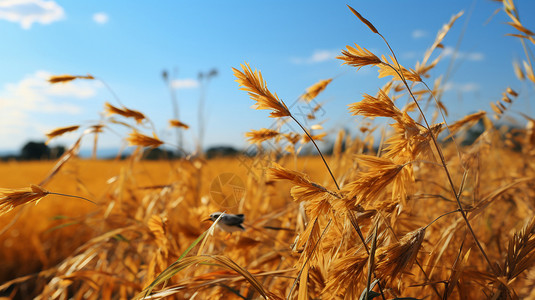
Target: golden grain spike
254, 84
511, 92
372, 183
387, 69
262, 135
440, 37
506, 98
396, 257
60, 131
361, 18
314, 90
518, 71
67, 78
347, 270
11, 198
358, 57
469, 119
137, 139
380, 106
521, 28
318, 137
177, 123
125, 112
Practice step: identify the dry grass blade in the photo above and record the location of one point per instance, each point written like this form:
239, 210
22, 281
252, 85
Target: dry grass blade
361, 18
347, 271
371, 262
457, 271
387, 69
440, 37
262, 135
358, 57
521, 251
316, 137
125, 112
178, 124
67, 78
11, 198
380, 106
372, 183
137, 139
314, 90
219, 260
256, 87
393, 259
60, 131
519, 73
468, 120
305, 190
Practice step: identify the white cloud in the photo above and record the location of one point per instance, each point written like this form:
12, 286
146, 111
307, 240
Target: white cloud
187, 83
471, 56
316, 57
33, 98
27, 12
462, 87
418, 34
101, 18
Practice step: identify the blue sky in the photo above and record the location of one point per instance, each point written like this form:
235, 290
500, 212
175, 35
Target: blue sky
128, 44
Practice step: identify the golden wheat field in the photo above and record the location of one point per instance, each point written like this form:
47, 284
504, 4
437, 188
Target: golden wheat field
422, 209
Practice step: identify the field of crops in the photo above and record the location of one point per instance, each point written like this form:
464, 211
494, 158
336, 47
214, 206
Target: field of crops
423, 210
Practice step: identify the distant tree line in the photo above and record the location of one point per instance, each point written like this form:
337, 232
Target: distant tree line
40, 151
36, 151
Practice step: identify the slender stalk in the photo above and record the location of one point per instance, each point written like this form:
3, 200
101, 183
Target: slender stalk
442, 159
356, 226
319, 151
71, 196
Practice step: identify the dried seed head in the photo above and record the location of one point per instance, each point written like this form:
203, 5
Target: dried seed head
363, 20
518, 71
511, 92
67, 78
380, 106
60, 131
313, 91
177, 123
125, 112
254, 84
347, 270
318, 137
395, 258
358, 57
262, 135
11, 198
137, 139
391, 69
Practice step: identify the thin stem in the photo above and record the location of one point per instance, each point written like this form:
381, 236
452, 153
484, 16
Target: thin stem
112, 92
442, 215
356, 226
318, 149
443, 161
71, 196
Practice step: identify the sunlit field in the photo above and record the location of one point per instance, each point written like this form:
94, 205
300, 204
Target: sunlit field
411, 208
